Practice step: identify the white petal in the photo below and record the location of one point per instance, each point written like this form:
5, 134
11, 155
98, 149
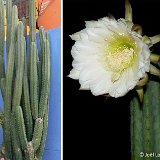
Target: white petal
74, 74
75, 36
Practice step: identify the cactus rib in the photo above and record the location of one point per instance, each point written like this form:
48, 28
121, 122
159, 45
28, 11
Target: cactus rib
34, 81
26, 107
2, 69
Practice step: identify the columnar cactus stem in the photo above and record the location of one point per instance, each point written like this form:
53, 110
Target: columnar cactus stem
21, 127
34, 81
44, 135
3, 84
20, 67
155, 103
147, 121
136, 129
32, 20
145, 116
15, 139
26, 107
45, 81
8, 15
8, 88
37, 134
2, 69
29, 151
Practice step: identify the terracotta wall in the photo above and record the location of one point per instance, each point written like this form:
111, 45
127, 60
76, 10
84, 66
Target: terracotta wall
49, 14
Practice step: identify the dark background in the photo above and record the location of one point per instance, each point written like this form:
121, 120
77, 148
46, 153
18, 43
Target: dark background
96, 127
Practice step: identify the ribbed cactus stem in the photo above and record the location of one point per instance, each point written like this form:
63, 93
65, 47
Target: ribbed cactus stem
9, 19
20, 67
29, 151
26, 107
34, 81
136, 130
45, 80
2, 69
44, 135
15, 140
147, 121
21, 127
32, 20
155, 103
37, 134
25, 26
42, 38
49, 54
8, 88
3, 84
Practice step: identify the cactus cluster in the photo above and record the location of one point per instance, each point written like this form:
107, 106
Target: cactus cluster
24, 84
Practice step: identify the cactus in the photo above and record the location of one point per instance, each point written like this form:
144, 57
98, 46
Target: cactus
34, 81
136, 129
9, 15
37, 134
44, 135
26, 98
21, 127
2, 70
45, 81
145, 122
8, 88
15, 139
20, 67
25, 86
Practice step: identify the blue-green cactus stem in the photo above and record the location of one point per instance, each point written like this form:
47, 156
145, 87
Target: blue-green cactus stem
29, 151
20, 67
32, 20
34, 81
44, 135
2, 69
8, 16
8, 88
153, 98
26, 106
37, 134
21, 127
45, 81
15, 140
136, 129
147, 121
3, 84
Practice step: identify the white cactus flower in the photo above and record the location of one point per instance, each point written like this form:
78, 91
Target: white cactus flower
111, 58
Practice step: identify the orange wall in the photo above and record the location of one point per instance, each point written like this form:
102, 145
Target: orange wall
51, 16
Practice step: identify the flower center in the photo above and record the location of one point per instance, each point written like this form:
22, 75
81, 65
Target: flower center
121, 59
121, 53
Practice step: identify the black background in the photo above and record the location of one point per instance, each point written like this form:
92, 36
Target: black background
96, 127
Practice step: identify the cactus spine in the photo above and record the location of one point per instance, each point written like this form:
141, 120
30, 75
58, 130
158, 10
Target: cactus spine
25, 86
